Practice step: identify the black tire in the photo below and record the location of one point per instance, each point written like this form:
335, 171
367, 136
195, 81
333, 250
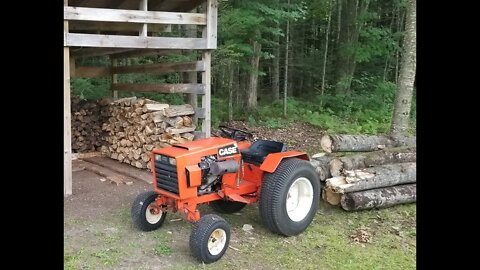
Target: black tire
227, 207
200, 237
139, 209
273, 195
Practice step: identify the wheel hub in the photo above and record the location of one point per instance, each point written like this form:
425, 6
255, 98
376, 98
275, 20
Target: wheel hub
217, 241
299, 199
153, 214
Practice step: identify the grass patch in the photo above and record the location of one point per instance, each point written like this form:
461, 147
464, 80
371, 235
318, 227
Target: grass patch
163, 244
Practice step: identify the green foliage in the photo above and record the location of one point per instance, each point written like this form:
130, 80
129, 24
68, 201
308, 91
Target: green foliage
90, 88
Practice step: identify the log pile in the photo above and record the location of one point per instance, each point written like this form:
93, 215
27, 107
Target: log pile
383, 175
136, 126
87, 119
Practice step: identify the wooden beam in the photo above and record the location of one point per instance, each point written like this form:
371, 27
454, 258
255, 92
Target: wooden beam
67, 122
160, 88
132, 16
113, 41
92, 72
117, 27
206, 99
191, 31
145, 52
212, 10
89, 52
200, 112
114, 63
161, 68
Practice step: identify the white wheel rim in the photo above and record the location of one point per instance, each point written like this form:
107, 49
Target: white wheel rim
217, 241
150, 215
299, 199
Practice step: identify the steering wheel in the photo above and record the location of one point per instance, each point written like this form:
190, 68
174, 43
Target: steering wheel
234, 133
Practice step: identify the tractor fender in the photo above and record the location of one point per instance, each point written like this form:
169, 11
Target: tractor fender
272, 161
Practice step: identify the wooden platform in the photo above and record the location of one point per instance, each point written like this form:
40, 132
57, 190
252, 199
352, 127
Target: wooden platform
114, 171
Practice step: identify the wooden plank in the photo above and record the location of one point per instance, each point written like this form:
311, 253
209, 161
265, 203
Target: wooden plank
172, 131
117, 27
91, 72
132, 16
156, 107
89, 52
122, 168
144, 52
67, 119
114, 63
206, 99
109, 174
160, 88
212, 11
191, 31
162, 68
85, 155
117, 41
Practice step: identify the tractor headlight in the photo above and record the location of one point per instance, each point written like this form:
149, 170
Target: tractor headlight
165, 159
172, 161
158, 157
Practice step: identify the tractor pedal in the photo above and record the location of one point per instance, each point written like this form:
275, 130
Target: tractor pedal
237, 198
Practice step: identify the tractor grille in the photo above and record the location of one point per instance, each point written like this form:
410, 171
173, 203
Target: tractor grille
166, 176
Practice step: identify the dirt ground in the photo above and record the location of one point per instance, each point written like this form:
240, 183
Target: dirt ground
99, 234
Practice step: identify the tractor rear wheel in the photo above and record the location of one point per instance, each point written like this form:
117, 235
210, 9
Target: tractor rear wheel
227, 207
146, 215
210, 237
289, 197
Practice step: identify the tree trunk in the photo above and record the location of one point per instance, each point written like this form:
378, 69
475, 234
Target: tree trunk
361, 143
254, 63
285, 77
276, 67
324, 69
403, 98
331, 197
379, 198
348, 39
360, 161
230, 91
375, 177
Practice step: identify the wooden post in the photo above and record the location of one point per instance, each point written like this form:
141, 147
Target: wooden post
206, 99
67, 132
144, 7
114, 63
191, 31
212, 10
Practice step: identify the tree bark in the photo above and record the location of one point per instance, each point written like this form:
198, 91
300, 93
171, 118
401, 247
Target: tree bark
276, 67
361, 143
254, 62
375, 177
325, 54
379, 198
403, 98
321, 165
360, 161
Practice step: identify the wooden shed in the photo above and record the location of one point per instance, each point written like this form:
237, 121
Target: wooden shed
131, 28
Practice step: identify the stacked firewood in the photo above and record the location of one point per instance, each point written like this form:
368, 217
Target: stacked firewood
384, 174
136, 126
87, 119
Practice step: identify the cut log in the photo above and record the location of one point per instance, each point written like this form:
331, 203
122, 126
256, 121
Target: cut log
172, 131
331, 197
361, 143
375, 177
189, 136
379, 198
176, 122
320, 163
156, 107
360, 161
179, 110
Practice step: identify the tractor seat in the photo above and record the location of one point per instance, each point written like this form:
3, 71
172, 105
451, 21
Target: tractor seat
260, 149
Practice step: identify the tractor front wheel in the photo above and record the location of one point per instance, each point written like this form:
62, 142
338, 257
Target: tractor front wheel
209, 239
289, 197
146, 214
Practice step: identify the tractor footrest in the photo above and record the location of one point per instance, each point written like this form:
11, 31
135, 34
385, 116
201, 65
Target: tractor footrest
237, 198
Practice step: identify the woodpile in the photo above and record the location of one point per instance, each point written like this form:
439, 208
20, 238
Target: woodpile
136, 126
383, 175
87, 119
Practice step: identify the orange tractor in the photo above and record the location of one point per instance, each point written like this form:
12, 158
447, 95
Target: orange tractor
228, 174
